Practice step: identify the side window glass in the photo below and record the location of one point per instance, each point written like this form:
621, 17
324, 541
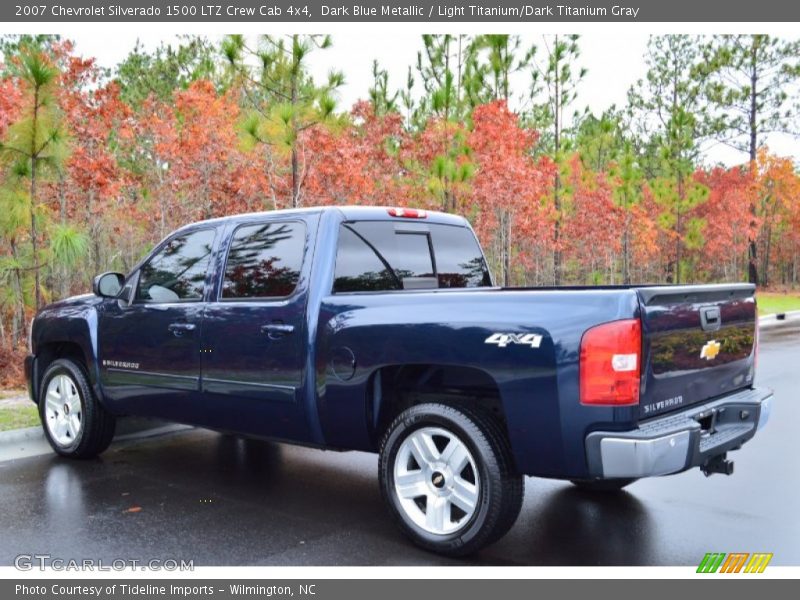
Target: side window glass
178, 271
264, 261
459, 261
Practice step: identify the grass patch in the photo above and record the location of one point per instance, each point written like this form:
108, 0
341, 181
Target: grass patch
17, 417
770, 302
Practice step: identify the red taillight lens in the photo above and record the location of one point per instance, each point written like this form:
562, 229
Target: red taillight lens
610, 363
408, 213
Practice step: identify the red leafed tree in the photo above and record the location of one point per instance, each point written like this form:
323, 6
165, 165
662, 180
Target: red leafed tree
338, 167
147, 149
384, 140
361, 161
727, 221
93, 180
646, 267
208, 171
507, 190
10, 95
777, 205
593, 223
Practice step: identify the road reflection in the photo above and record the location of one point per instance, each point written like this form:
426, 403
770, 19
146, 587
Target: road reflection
572, 527
64, 497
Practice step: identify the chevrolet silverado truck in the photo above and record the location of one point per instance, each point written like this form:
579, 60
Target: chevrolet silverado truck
380, 330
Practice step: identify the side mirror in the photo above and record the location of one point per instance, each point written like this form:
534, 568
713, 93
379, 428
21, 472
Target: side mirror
108, 284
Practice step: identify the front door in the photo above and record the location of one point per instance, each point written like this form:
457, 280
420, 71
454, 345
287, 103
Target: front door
149, 344
253, 334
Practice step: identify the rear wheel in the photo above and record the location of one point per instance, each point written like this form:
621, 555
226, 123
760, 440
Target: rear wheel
74, 422
602, 485
447, 475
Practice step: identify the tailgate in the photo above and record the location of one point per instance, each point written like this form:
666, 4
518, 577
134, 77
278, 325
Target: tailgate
697, 344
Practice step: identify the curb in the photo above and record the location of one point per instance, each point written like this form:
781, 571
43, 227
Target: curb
778, 319
15, 436
127, 429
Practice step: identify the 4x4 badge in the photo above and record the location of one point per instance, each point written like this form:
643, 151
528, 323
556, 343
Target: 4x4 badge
501, 340
710, 350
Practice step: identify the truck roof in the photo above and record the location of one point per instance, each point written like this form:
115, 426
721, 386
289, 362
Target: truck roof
350, 213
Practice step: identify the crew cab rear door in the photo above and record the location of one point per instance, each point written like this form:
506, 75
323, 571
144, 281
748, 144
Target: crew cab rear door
698, 344
254, 329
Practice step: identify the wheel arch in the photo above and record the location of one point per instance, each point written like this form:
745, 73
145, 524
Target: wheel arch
394, 388
48, 352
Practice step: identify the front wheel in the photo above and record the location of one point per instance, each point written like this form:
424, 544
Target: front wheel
448, 478
75, 423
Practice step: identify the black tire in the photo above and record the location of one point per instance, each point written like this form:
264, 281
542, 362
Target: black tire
602, 485
500, 489
97, 424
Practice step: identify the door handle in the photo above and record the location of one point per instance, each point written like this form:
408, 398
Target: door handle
276, 330
178, 329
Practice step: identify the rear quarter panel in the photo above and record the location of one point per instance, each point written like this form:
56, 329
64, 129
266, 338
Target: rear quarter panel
538, 386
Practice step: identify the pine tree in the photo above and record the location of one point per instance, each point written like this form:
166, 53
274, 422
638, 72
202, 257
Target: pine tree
668, 106
749, 78
627, 195
383, 100
492, 62
285, 99
444, 67
554, 87
35, 146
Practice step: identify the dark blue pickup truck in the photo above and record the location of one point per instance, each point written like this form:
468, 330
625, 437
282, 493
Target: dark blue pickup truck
375, 329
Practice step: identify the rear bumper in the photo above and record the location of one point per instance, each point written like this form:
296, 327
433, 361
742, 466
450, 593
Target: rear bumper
677, 442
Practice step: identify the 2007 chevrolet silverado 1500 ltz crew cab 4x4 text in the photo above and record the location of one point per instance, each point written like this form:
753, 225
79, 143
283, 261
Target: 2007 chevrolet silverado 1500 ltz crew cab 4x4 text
375, 329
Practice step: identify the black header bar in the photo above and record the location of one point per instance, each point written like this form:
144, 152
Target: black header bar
420, 11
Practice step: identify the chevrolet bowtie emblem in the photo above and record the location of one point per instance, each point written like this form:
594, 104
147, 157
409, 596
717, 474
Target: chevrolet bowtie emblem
710, 350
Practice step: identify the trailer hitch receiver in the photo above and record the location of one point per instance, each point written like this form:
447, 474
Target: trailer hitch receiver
717, 464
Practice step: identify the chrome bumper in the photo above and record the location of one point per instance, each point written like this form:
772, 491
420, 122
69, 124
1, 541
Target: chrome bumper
677, 442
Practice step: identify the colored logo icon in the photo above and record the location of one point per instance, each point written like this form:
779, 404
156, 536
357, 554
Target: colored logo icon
735, 562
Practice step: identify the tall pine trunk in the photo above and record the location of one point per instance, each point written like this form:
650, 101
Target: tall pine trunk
626, 276
752, 248
33, 204
557, 181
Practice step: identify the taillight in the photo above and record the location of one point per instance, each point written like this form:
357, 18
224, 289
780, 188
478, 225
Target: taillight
408, 213
610, 363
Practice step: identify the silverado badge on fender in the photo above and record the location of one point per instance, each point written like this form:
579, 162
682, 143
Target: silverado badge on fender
710, 350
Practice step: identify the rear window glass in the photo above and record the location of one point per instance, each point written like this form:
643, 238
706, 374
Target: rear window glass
387, 255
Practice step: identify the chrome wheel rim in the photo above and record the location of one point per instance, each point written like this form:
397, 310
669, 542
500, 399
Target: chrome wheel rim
63, 413
436, 480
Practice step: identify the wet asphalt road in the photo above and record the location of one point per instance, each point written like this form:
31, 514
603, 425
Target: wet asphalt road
220, 500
